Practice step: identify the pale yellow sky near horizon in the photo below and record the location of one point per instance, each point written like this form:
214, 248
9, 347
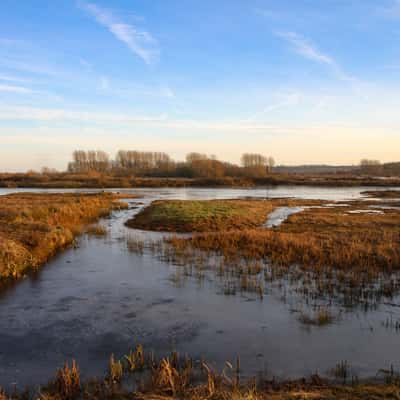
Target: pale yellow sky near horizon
289, 145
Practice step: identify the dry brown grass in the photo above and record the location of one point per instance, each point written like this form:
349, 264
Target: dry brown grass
327, 250
383, 194
321, 317
35, 226
98, 180
178, 378
68, 381
318, 238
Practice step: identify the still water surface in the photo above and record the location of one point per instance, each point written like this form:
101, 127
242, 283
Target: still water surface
99, 298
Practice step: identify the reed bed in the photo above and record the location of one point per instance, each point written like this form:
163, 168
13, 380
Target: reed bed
322, 252
33, 227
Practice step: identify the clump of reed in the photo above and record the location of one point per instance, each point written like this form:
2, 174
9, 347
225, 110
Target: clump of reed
115, 370
135, 245
67, 382
391, 324
342, 371
169, 377
97, 230
390, 375
135, 360
320, 318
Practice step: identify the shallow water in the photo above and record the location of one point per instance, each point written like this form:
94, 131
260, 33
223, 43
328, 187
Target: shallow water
278, 216
99, 298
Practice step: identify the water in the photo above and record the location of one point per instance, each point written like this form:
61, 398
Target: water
278, 216
98, 299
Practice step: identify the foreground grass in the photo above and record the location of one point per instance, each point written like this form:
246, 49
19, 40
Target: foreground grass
289, 391
175, 377
35, 226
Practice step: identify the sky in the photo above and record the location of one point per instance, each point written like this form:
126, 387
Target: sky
304, 81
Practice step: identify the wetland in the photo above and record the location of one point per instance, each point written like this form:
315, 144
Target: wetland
218, 274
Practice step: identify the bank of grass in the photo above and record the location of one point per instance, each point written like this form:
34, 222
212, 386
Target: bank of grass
200, 216
383, 194
318, 237
33, 227
207, 215
326, 250
100, 180
325, 237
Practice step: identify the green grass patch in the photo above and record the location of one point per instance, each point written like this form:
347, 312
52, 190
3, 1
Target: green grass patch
202, 216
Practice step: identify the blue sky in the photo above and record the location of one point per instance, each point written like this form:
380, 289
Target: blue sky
306, 81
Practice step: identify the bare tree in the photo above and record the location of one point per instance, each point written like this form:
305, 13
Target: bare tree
270, 163
195, 157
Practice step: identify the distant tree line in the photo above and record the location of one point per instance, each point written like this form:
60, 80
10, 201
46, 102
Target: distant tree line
159, 164
200, 165
375, 167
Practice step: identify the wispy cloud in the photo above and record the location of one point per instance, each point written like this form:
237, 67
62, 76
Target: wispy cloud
308, 50
15, 89
28, 66
11, 78
86, 64
289, 100
127, 89
107, 120
59, 114
138, 41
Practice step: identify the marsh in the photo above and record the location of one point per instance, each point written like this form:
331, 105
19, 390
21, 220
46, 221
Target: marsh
98, 298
